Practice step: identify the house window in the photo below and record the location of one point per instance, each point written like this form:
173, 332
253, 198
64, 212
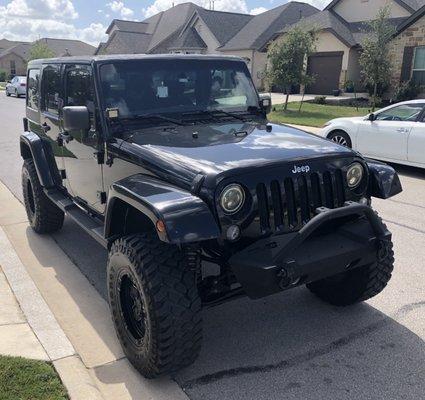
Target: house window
12, 67
418, 75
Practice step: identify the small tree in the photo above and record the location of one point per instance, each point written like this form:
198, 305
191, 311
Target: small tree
375, 61
40, 50
287, 60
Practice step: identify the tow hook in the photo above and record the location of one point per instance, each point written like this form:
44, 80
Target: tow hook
287, 275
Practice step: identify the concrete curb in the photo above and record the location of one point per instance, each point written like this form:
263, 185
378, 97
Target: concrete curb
59, 349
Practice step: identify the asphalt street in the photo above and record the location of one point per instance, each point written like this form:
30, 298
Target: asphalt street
291, 345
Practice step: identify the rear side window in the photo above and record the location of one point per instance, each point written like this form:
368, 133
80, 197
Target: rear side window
51, 89
33, 82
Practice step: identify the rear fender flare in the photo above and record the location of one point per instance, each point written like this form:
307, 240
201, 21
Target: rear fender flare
32, 142
187, 218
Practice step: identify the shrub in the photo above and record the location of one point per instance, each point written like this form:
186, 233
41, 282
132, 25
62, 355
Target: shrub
3, 75
406, 91
320, 99
349, 86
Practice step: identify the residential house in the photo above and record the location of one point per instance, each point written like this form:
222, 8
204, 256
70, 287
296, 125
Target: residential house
14, 58
188, 28
341, 26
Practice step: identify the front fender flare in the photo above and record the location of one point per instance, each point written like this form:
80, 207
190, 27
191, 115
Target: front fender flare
186, 217
383, 180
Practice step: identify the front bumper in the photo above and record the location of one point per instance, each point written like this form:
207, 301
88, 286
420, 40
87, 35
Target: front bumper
334, 241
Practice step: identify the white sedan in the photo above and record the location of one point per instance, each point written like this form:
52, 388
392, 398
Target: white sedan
395, 133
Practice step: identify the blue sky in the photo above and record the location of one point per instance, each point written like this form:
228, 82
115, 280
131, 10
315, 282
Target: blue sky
88, 19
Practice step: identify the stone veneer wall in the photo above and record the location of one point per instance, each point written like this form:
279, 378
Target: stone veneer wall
413, 36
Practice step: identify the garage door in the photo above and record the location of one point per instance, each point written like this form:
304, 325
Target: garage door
326, 67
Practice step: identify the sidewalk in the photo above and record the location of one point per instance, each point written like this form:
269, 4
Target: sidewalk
51, 312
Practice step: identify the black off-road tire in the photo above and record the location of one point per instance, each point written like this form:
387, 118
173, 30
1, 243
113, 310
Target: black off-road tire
171, 334
359, 284
43, 215
7, 93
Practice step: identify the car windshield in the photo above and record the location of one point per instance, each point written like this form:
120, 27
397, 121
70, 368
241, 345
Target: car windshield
159, 87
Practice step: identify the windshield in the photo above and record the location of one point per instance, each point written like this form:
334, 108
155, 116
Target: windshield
143, 87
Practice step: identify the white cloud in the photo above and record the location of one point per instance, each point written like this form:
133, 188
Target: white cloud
119, 7
258, 10
320, 4
29, 20
39, 9
219, 5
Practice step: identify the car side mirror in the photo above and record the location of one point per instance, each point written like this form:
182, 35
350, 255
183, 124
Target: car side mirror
372, 117
76, 118
265, 103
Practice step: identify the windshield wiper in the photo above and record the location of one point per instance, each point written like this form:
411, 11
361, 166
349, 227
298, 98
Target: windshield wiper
213, 113
152, 116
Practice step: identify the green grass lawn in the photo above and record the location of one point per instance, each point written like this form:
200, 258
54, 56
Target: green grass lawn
22, 379
313, 114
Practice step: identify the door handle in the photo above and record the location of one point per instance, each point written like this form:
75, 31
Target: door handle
402, 130
46, 128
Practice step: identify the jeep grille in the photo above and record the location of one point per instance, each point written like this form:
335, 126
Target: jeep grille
287, 205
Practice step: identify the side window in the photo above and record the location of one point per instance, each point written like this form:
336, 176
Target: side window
50, 89
405, 112
33, 88
79, 87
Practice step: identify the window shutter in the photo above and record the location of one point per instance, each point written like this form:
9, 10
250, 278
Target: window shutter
406, 67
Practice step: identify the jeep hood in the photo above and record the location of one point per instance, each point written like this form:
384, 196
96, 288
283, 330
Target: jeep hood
217, 149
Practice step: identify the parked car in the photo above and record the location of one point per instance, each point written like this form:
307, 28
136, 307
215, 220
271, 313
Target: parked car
17, 86
395, 133
170, 163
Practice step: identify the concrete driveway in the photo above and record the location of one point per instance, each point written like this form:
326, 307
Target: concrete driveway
291, 345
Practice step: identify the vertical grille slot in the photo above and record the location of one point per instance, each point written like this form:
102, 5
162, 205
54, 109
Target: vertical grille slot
303, 199
263, 207
277, 203
290, 202
340, 193
327, 187
316, 197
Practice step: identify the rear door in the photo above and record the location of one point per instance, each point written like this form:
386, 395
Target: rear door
387, 137
50, 108
83, 173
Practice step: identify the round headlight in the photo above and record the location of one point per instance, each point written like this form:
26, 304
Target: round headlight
232, 198
354, 175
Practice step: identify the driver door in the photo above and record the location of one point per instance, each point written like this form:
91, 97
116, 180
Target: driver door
387, 136
80, 148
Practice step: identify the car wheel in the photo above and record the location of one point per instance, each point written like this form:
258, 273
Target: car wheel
155, 304
359, 284
43, 215
7, 93
341, 138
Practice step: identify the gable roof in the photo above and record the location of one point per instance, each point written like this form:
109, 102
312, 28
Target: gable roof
327, 20
189, 40
411, 20
128, 26
7, 44
409, 5
122, 42
260, 29
223, 25
21, 50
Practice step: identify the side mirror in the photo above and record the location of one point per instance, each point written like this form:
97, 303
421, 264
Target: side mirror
76, 118
265, 103
371, 117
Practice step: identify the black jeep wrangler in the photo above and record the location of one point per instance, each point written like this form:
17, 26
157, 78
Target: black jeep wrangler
169, 162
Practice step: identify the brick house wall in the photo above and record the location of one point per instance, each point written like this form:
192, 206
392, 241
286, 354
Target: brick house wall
402, 51
20, 64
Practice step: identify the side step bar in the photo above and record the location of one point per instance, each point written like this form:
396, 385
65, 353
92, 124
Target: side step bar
92, 225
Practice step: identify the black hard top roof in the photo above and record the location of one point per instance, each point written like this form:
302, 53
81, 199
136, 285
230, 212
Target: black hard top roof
124, 57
